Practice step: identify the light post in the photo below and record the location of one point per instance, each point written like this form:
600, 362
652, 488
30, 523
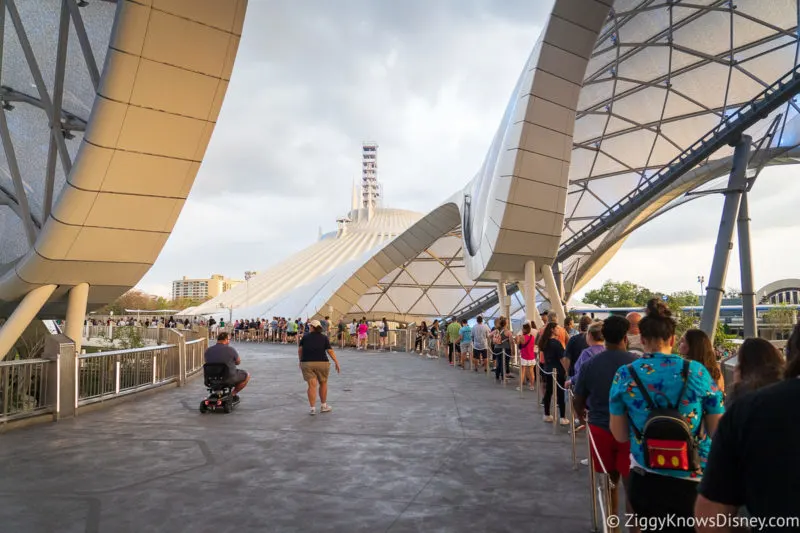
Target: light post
701, 280
230, 311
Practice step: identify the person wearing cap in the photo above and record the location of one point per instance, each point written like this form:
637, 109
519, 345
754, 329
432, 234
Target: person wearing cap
313, 351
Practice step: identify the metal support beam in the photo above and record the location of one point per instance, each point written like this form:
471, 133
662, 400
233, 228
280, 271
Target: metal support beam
16, 177
552, 293
746, 270
22, 316
55, 127
722, 251
529, 286
558, 272
76, 313
83, 39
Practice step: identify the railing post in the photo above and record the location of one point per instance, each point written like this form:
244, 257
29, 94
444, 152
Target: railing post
62, 381
116, 375
155, 363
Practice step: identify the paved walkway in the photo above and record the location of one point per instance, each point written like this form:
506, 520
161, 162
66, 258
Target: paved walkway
411, 445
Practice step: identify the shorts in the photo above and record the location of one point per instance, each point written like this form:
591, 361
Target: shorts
318, 370
527, 362
362, 336
432, 343
615, 455
466, 347
291, 333
479, 353
383, 334
240, 376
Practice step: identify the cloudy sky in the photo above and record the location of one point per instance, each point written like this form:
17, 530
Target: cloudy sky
429, 82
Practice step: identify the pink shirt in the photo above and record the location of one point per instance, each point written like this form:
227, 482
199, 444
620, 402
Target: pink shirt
527, 350
362, 329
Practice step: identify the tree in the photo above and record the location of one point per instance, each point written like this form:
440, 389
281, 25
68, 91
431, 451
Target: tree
619, 294
683, 299
732, 292
782, 318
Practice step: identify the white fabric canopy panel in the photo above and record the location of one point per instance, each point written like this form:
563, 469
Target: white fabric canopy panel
432, 284
107, 110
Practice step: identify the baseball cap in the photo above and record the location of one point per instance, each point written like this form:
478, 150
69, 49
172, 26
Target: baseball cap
314, 324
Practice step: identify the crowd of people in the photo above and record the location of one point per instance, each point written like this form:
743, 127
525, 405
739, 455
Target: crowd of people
146, 322
654, 406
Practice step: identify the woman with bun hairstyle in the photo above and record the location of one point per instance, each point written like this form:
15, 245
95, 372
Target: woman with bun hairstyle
696, 346
664, 476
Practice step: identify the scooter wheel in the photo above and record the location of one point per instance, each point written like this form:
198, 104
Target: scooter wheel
203, 408
227, 407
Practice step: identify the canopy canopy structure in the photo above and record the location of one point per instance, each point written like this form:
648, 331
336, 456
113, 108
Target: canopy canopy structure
613, 99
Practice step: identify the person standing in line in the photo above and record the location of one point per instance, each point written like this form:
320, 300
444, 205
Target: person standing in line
453, 347
758, 364
754, 461
465, 341
569, 325
313, 351
596, 342
527, 356
384, 334
480, 342
354, 333
501, 348
433, 340
363, 330
696, 346
592, 388
665, 470
553, 353
421, 339
326, 326
634, 336
577, 344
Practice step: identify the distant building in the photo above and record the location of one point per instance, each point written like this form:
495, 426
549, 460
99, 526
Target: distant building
186, 288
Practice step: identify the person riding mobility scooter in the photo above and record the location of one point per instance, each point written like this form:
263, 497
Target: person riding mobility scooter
223, 380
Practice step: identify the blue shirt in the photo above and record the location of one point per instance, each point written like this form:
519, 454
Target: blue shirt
661, 374
466, 334
586, 354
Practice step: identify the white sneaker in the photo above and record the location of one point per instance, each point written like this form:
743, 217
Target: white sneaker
564, 422
547, 418
313, 411
326, 408
585, 462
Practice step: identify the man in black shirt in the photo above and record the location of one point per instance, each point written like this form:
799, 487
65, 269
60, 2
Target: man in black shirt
754, 462
313, 352
577, 343
222, 352
593, 387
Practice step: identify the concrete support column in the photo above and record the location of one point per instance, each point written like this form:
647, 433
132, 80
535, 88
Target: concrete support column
722, 251
746, 270
76, 313
529, 286
502, 296
22, 317
552, 293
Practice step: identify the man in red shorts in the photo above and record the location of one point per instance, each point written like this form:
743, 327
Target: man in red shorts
592, 388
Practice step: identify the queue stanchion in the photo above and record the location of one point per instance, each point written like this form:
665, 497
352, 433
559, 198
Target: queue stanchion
554, 402
592, 482
572, 431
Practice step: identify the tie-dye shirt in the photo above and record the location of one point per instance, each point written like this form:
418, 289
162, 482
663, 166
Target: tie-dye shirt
661, 374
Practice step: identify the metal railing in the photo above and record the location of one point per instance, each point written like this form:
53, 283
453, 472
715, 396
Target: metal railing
24, 389
106, 375
195, 350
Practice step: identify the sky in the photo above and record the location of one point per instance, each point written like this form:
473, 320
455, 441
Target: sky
429, 82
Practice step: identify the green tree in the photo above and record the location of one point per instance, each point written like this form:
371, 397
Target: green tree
782, 319
619, 294
683, 299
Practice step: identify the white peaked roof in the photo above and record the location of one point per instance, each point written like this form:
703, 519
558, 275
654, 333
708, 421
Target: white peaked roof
289, 287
